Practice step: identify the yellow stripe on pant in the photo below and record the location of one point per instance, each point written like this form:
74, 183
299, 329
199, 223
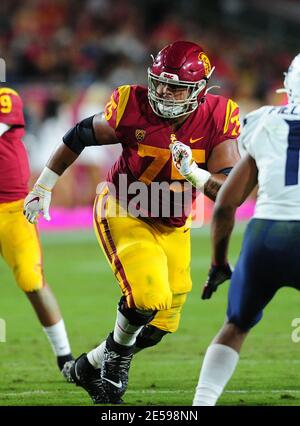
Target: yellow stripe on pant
20, 246
151, 262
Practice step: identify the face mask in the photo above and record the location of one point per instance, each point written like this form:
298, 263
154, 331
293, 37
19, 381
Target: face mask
169, 110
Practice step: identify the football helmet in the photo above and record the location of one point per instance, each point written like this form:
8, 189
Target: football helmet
292, 81
180, 65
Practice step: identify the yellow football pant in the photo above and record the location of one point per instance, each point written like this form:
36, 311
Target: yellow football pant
20, 246
151, 262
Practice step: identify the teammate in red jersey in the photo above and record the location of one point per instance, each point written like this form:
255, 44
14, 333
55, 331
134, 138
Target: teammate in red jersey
144, 238
19, 241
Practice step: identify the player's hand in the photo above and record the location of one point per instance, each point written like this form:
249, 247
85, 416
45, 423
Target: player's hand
38, 200
216, 276
182, 158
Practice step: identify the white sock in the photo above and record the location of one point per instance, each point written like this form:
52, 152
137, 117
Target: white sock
124, 332
95, 356
58, 338
217, 368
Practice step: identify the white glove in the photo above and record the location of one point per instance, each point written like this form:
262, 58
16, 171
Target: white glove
38, 200
182, 158
183, 161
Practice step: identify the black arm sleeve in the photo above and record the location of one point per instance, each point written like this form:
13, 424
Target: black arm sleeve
81, 135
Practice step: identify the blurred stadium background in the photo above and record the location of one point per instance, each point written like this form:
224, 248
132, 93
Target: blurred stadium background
65, 57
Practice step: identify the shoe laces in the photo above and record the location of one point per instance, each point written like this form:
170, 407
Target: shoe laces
115, 362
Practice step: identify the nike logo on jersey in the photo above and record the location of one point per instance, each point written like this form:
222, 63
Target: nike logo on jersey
196, 140
117, 385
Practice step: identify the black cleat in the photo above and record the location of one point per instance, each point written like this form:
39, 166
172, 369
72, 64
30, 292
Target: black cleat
66, 371
63, 362
89, 378
115, 368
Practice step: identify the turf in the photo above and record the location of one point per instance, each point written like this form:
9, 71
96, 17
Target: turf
165, 375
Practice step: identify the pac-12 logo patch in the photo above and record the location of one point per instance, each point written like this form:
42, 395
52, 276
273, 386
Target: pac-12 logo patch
140, 134
206, 63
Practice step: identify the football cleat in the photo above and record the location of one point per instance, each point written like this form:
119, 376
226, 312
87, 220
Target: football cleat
63, 363
66, 371
89, 378
115, 369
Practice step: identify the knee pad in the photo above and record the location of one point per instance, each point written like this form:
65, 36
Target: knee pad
133, 315
149, 336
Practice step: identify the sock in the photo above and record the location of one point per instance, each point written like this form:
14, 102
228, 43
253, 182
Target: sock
217, 368
58, 338
95, 356
125, 333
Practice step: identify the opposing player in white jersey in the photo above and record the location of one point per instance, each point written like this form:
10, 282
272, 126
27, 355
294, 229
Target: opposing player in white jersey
269, 258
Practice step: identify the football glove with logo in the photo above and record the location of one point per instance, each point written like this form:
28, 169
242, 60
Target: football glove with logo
216, 276
39, 198
183, 161
182, 158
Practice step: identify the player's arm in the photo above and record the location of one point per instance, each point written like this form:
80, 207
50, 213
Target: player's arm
89, 132
222, 159
233, 193
238, 186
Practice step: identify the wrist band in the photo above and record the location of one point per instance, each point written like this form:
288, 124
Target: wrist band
47, 179
198, 177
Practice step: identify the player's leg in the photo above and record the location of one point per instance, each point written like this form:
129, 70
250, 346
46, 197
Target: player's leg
254, 282
140, 266
48, 312
21, 250
177, 248
287, 236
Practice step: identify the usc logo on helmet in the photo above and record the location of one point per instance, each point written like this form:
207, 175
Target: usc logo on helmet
206, 62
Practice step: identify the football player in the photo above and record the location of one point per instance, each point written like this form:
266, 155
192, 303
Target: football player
270, 251
19, 241
149, 253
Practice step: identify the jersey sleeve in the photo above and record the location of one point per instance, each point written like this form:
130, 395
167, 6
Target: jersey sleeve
229, 124
115, 108
250, 124
11, 108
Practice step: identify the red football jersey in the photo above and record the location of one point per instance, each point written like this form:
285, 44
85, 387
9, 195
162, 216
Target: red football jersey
14, 165
146, 156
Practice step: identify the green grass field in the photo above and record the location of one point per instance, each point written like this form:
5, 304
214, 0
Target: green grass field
268, 372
